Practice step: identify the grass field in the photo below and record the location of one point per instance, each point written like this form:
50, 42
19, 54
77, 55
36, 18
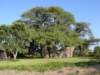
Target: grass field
46, 64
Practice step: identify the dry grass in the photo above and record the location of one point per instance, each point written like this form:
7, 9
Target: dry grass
63, 71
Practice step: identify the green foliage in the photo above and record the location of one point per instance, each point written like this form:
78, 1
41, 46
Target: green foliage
48, 16
16, 37
54, 20
43, 24
97, 51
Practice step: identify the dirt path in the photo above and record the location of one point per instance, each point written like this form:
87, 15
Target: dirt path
65, 71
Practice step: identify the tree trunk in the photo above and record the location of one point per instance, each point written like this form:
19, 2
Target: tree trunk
71, 51
5, 55
15, 55
68, 52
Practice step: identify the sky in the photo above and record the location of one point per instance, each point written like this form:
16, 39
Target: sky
83, 10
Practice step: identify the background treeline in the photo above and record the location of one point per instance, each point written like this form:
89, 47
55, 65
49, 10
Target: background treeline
47, 32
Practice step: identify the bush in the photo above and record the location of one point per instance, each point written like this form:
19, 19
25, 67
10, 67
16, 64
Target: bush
97, 52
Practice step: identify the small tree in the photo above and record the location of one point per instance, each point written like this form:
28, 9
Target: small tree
97, 51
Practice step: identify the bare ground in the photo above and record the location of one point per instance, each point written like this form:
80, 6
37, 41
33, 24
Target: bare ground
95, 70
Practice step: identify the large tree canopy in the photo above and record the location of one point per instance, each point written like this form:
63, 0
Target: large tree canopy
47, 16
47, 26
53, 23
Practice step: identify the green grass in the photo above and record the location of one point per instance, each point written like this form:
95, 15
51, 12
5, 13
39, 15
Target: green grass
45, 64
